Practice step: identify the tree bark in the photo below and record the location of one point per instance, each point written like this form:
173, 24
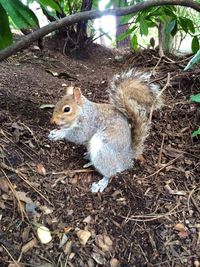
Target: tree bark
121, 29
86, 15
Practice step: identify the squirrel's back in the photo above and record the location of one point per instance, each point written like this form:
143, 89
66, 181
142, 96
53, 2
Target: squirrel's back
132, 94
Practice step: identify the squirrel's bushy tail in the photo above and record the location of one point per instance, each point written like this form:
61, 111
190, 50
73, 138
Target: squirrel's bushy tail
133, 95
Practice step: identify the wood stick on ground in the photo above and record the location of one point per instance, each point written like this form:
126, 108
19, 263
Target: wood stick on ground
166, 165
15, 195
161, 150
15, 262
22, 176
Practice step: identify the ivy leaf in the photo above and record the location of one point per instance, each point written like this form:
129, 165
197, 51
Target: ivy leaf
5, 32
195, 44
195, 98
195, 133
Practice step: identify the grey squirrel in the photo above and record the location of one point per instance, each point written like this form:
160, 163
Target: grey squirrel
113, 133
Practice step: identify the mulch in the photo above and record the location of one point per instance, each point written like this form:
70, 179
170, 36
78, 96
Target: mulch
147, 216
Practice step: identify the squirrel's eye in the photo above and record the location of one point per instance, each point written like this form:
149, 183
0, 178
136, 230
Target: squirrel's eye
67, 109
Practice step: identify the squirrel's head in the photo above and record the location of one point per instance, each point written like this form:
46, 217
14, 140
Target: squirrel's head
66, 110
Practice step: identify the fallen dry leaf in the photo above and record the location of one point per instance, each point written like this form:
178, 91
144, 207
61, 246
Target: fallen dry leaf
182, 231
63, 240
29, 245
98, 258
67, 229
4, 185
114, 262
83, 236
41, 169
88, 219
22, 197
196, 263
68, 248
45, 209
17, 264
44, 234
104, 242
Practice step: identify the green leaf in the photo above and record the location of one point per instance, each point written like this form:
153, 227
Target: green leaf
168, 11
22, 16
175, 29
126, 33
5, 32
134, 42
190, 25
183, 23
50, 3
195, 133
195, 98
193, 61
195, 44
143, 26
126, 19
170, 26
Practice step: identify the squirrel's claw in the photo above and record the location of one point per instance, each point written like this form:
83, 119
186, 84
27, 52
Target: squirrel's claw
100, 185
57, 134
87, 165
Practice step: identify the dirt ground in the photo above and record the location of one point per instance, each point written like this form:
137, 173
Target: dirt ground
147, 216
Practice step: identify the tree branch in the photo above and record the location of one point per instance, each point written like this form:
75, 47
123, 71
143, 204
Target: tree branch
86, 15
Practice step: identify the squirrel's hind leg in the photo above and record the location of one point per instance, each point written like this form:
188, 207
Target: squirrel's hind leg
100, 185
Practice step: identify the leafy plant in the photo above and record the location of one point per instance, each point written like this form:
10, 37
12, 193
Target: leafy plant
21, 15
173, 20
196, 133
195, 98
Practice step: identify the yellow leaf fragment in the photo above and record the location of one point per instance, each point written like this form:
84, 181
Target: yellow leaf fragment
83, 236
182, 230
44, 234
104, 242
41, 169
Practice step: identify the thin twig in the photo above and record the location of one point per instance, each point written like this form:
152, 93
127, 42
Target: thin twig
15, 195
70, 172
16, 263
168, 164
22, 176
191, 197
152, 217
161, 150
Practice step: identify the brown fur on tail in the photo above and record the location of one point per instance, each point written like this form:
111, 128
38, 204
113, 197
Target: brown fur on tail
132, 94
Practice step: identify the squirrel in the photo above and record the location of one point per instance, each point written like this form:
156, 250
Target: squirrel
113, 133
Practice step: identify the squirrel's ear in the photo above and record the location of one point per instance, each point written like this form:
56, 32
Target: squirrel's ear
69, 90
77, 94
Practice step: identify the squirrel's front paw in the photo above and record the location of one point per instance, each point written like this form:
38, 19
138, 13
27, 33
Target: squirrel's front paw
56, 134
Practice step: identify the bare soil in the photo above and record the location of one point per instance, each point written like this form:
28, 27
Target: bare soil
147, 216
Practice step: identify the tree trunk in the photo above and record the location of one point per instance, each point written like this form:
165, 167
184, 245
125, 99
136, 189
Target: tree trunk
165, 39
121, 28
